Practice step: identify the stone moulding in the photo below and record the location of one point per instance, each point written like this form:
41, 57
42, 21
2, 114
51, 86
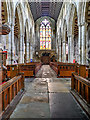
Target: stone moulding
4, 29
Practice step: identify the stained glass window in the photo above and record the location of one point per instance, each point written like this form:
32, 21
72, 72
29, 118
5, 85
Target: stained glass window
45, 35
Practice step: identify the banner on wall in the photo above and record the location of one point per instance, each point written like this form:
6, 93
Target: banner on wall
6, 53
73, 60
31, 60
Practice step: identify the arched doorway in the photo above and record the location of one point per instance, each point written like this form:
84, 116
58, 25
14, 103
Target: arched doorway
45, 58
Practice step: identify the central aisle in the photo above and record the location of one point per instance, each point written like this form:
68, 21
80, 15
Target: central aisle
48, 97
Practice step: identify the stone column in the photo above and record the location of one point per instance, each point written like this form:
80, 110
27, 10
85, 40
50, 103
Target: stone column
9, 49
0, 24
69, 40
83, 45
64, 51
29, 50
79, 43
31, 53
57, 51
64, 48
10, 58
21, 49
27, 56
60, 51
70, 48
57, 48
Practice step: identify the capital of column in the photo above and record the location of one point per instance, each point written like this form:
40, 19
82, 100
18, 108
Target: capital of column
59, 46
70, 35
21, 35
79, 24
82, 24
12, 24
64, 42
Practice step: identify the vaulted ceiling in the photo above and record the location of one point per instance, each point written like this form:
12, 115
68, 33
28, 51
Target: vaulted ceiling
40, 9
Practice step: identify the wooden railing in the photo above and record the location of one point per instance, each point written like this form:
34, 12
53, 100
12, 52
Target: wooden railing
9, 90
81, 86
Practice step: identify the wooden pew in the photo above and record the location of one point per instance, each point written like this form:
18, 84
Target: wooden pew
37, 67
63, 69
66, 69
9, 90
81, 86
28, 70
54, 66
82, 70
12, 71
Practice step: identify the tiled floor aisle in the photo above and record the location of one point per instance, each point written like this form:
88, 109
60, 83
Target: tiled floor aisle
48, 97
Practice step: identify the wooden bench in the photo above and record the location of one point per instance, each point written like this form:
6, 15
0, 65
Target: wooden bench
3, 74
54, 66
37, 67
9, 90
63, 69
81, 86
66, 69
82, 70
12, 71
30, 69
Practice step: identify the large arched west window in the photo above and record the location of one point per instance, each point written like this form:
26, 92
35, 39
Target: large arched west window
45, 35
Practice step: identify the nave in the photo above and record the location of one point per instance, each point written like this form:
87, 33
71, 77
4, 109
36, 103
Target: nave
44, 59
48, 97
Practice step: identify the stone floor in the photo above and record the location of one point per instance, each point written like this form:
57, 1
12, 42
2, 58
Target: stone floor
48, 97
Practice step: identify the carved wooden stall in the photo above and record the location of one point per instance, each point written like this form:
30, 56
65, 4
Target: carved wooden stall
4, 29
